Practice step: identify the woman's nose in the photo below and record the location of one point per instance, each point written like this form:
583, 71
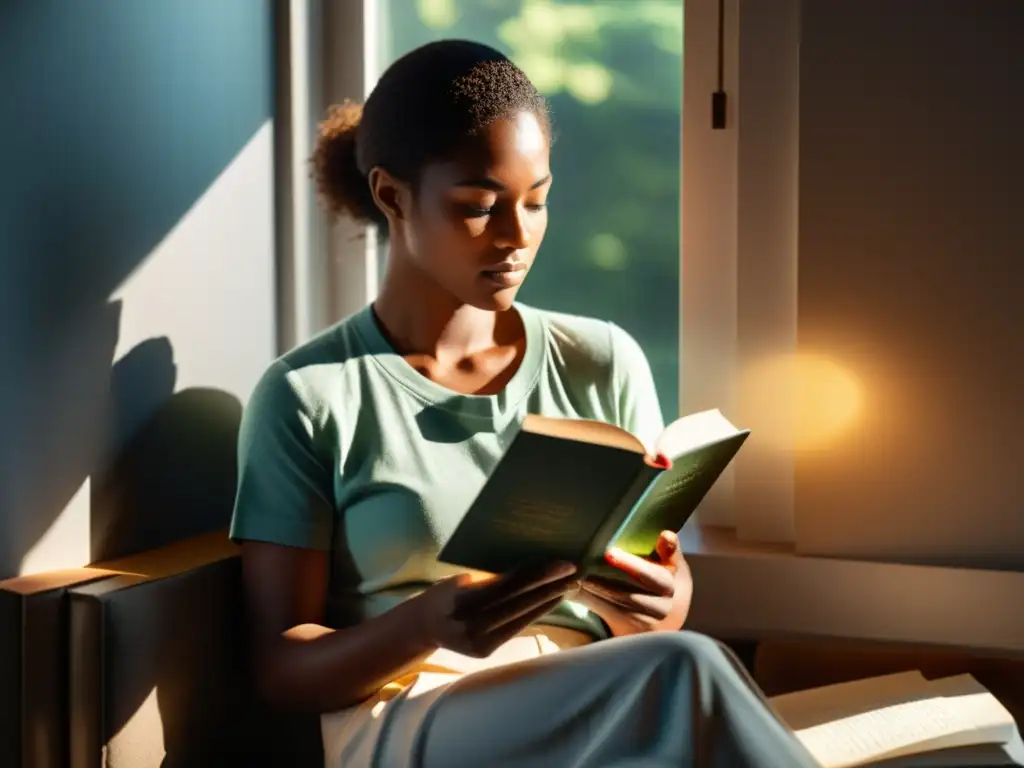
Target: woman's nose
513, 231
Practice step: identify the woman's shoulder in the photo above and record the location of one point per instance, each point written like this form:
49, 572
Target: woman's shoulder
605, 372
578, 339
309, 374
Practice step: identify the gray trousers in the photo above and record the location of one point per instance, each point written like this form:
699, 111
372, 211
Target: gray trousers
665, 699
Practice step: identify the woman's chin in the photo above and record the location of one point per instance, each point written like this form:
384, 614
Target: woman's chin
495, 301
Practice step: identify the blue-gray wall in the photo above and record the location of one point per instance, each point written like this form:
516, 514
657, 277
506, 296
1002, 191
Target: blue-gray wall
135, 222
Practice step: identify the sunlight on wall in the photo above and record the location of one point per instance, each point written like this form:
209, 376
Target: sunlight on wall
127, 748
65, 543
827, 398
209, 285
208, 288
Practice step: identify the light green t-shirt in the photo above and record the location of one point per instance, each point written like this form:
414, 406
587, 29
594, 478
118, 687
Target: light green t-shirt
345, 447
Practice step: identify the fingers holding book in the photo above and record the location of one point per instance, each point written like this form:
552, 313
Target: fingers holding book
661, 599
474, 617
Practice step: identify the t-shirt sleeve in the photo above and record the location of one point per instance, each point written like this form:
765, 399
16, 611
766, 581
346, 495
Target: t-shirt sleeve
284, 489
637, 397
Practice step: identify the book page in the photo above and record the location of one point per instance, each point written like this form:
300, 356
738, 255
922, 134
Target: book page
864, 721
583, 431
693, 431
805, 709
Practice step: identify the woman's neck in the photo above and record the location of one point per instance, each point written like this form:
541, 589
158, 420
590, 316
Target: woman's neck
421, 318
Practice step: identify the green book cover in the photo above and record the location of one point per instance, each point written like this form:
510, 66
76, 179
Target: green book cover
569, 489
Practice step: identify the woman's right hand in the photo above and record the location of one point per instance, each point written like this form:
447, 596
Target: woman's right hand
473, 616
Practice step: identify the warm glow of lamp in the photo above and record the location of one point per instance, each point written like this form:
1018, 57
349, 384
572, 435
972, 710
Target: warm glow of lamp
805, 400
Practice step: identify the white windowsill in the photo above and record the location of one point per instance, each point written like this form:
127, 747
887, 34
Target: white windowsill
747, 591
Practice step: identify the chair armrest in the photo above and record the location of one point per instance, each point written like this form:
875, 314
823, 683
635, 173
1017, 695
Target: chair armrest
33, 670
159, 667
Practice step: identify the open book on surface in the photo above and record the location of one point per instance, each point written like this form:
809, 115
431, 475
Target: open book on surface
901, 719
568, 489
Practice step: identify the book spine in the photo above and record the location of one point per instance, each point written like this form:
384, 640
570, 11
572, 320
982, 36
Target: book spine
613, 523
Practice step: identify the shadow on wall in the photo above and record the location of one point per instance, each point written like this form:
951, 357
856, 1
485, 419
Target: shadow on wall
172, 466
117, 117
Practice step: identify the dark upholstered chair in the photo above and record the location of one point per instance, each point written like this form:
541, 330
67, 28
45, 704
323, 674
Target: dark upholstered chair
142, 663
33, 667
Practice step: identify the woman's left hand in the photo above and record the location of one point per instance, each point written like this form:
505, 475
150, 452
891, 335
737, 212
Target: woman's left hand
662, 605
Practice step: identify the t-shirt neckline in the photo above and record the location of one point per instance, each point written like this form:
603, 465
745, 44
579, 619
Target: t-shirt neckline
497, 407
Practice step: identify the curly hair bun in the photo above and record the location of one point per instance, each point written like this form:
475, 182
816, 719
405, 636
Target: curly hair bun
341, 185
423, 107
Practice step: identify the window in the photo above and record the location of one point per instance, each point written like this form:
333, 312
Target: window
612, 72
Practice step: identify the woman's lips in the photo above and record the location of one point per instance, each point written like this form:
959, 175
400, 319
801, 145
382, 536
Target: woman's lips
506, 275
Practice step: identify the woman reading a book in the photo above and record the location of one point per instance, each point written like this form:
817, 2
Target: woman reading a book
360, 450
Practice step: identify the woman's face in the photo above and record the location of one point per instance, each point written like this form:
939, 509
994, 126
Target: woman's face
480, 218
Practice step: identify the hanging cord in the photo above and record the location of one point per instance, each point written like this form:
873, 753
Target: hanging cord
718, 98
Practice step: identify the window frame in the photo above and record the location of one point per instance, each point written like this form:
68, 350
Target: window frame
739, 223
740, 217
326, 52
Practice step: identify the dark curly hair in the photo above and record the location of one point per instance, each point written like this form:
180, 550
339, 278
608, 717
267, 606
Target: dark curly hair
424, 105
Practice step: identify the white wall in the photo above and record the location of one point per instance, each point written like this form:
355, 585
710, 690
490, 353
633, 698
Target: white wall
137, 301
911, 265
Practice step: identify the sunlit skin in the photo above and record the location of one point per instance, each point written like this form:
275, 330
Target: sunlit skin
441, 303
461, 245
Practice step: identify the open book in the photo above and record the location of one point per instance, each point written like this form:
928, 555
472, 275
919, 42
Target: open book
901, 719
568, 489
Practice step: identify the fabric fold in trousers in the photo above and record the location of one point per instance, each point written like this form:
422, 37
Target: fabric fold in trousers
547, 700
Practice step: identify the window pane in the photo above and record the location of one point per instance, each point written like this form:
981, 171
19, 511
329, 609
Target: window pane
612, 70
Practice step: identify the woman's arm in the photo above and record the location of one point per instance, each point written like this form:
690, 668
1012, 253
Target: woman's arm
284, 517
301, 664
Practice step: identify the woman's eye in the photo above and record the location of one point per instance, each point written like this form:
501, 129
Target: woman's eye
477, 212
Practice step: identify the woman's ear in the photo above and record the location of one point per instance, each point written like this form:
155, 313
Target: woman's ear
393, 196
